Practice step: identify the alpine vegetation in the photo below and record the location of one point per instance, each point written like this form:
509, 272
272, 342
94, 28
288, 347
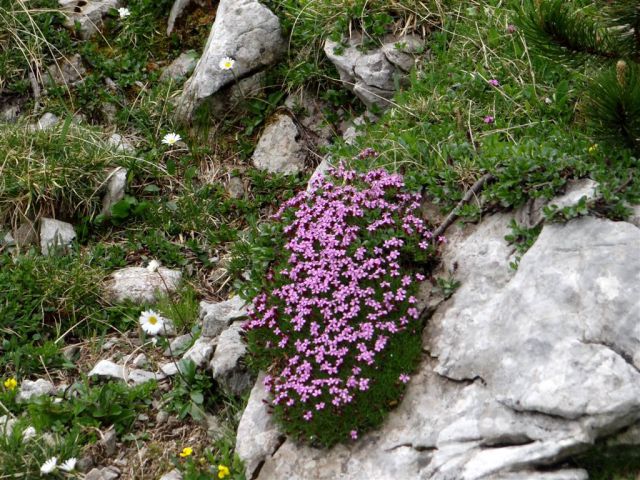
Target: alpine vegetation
337, 325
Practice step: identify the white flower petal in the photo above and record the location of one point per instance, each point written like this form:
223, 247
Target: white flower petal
49, 466
28, 433
227, 63
153, 266
69, 465
151, 322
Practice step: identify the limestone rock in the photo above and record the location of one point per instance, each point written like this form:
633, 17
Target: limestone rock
106, 473
178, 345
88, 14
22, 237
6, 425
318, 173
576, 189
244, 30
181, 67
54, 235
120, 143
67, 72
279, 149
172, 475
139, 285
29, 389
235, 188
46, 122
109, 369
257, 435
525, 368
216, 317
227, 365
201, 351
373, 75
116, 186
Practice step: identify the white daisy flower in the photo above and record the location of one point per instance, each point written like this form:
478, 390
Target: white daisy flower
69, 465
171, 138
153, 266
49, 466
227, 63
28, 433
151, 322
124, 12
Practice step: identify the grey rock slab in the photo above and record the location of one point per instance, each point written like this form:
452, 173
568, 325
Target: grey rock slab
216, 317
374, 70
120, 143
140, 361
55, 235
576, 190
108, 442
68, 71
109, 369
525, 368
88, 14
115, 189
37, 388
181, 67
139, 285
106, 473
178, 345
244, 30
280, 149
402, 51
46, 122
257, 436
226, 365
201, 351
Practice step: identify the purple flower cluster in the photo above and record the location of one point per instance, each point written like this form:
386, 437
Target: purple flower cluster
340, 293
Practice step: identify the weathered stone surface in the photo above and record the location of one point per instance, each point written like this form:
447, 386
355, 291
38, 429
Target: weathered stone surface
6, 425
106, 473
68, 71
201, 351
139, 285
635, 216
178, 345
178, 7
373, 75
181, 67
109, 369
309, 112
25, 235
279, 149
235, 188
172, 475
244, 30
46, 122
115, 189
216, 317
257, 435
55, 235
88, 14
29, 389
525, 368
120, 143
226, 365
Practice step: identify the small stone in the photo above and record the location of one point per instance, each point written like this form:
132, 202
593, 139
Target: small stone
169, 369
85, 463
178, 345
29, 389
120, 144
55, 235
143, 417
140, 361
107, 473
218, 316
109, 369
86, 15
181, 67
172, 475
70, 352
108, 442
215, 427
46, 122
226, 365
109, 344
235, 187
68, 72
201, 351
140, 286
279, 149
6, 425
162, 417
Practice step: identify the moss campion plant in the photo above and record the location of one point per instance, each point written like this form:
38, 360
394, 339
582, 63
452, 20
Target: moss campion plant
337, 325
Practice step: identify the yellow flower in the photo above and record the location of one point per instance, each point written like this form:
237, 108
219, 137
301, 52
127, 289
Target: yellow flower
593, 148
10, 383
186, 451
223, 471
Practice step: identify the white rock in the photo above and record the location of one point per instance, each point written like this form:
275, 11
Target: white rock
257, 435
89, 15
6, 425
201, 351
280, 149
181, 67
178, 345
109, 369
139, 285
141, 361
318, 173
402, 51
55, 235
226, 364
46, 122
116, 186
576, 190
216, 317
172, 475
106, 473
244, 30
120, 143
29, 389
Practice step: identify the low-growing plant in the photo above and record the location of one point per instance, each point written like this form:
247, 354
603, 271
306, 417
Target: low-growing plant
522, 239
192, 392
335, 323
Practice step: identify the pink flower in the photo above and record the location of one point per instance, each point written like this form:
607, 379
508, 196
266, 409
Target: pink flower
511, 28
404, 378
494, 83
489, 119
354, 434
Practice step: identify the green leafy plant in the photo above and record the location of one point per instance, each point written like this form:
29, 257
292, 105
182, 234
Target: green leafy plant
192, 392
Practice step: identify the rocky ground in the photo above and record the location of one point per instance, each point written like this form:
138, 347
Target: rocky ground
144, 146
